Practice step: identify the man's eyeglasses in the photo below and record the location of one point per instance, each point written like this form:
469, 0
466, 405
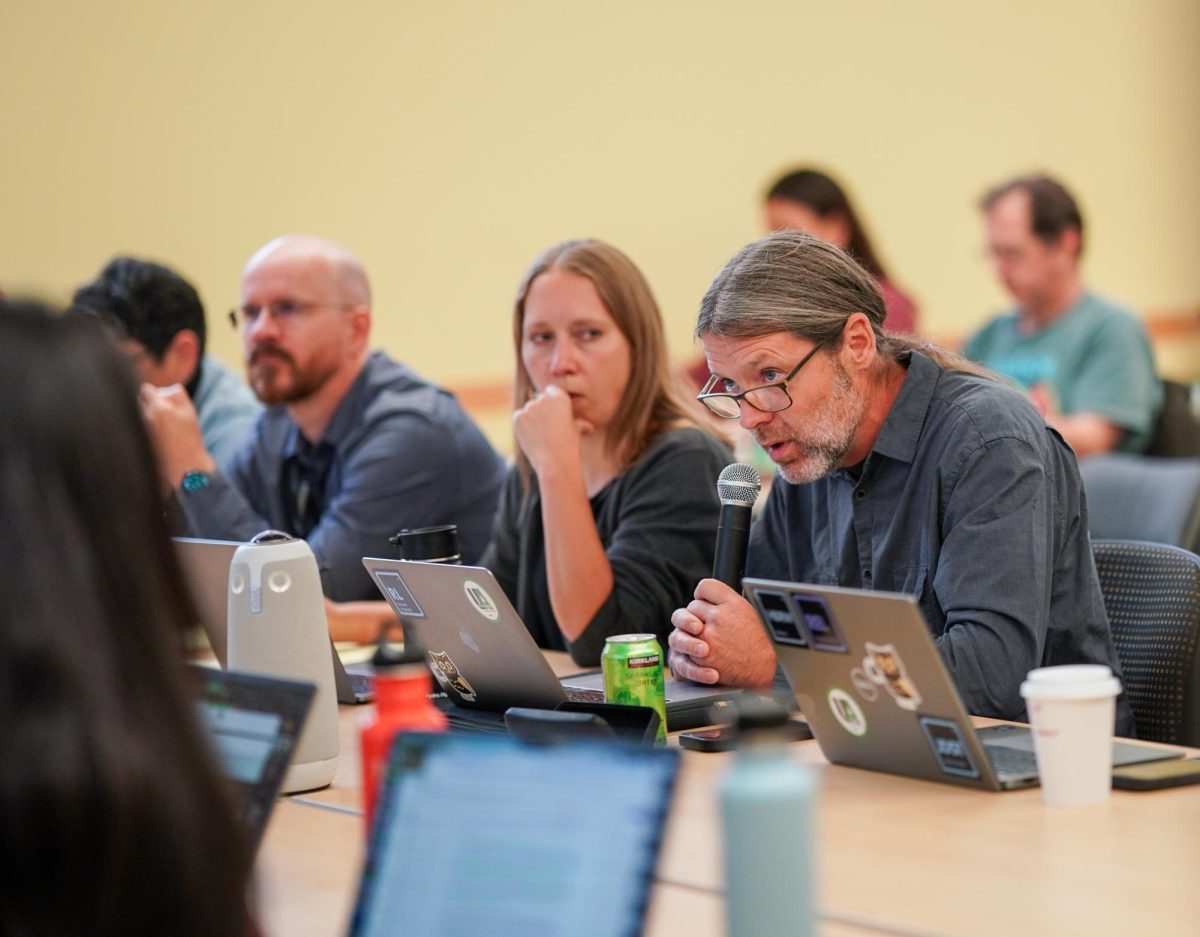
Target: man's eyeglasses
769, 398
283, 311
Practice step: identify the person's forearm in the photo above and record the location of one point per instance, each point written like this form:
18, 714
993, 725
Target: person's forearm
577, 569
1087, 433
361, 622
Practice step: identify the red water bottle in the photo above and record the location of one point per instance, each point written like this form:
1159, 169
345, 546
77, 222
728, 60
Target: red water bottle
402, 704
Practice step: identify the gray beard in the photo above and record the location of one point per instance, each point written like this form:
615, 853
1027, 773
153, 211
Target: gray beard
835, 425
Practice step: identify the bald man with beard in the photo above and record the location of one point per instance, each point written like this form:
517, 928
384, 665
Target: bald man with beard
352, 447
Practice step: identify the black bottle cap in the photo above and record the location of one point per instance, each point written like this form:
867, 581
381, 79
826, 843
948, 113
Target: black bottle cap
387, 655
428, 544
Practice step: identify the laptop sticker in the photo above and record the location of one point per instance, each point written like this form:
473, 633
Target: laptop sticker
391, 583
848, 713
818, 622
867, 688
483, 603
446, 673
777, 616
946, 739
884, 666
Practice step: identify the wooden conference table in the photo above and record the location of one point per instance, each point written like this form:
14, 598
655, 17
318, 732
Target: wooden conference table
893, 856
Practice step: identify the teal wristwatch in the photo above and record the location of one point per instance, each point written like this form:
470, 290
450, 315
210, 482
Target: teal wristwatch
194, 481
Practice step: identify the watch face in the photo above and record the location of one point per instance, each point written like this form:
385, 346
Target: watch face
194, 481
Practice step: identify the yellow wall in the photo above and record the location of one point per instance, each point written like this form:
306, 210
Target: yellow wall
448, 142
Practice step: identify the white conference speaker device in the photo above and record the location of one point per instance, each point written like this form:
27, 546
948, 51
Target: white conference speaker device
277, 626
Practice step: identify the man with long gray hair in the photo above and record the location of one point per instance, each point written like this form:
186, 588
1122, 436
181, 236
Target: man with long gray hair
903, 468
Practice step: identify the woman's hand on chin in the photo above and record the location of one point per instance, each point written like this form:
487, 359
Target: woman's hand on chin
547, 429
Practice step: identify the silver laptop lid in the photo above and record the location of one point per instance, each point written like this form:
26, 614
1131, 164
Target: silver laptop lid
870, 681
480, 652
206, 567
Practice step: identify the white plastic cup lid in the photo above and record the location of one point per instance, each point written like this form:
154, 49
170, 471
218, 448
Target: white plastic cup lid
1070, 681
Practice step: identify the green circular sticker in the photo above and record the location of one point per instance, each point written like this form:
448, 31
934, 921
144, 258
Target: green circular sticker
846, 710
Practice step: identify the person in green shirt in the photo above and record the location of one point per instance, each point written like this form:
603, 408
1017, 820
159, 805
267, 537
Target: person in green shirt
1085, 362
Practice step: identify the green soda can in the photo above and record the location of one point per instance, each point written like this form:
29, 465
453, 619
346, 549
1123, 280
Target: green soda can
633, 674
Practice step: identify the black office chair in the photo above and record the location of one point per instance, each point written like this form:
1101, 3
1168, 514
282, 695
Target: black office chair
1176, 430
1152, 594
1142, 498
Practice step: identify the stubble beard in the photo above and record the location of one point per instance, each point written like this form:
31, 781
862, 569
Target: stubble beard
831, 434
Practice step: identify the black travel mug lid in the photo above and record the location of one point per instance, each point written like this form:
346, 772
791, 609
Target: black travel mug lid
429, 544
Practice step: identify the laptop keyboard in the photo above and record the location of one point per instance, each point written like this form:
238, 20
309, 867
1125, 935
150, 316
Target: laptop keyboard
579, 695
1011, 762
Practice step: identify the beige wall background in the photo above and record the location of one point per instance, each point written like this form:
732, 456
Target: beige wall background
447, 143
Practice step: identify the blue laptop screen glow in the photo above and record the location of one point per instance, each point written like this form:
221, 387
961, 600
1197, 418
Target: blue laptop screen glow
490, 836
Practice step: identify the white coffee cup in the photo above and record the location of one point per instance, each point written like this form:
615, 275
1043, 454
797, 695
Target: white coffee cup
1071, 709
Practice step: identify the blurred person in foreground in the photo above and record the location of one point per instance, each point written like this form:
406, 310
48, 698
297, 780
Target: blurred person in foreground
903, 468
609, 516
1085, 362
116, 821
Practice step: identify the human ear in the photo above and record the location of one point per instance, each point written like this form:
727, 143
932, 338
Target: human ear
858, 340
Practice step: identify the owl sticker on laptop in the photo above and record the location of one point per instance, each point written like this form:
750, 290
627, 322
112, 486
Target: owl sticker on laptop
446, 673
884, 666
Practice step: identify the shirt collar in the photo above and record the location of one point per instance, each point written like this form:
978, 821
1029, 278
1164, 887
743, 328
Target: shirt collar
902, 429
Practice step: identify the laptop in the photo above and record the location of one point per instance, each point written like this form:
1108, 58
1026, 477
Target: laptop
206, 568
254, 724
875, 692
505, 847
483, 656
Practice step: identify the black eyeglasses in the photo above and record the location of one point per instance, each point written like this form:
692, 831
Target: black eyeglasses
769, 398
283, 311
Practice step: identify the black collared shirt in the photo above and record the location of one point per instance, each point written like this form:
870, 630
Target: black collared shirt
969, 502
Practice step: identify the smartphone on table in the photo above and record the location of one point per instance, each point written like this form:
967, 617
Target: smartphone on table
724, 739
1154, 775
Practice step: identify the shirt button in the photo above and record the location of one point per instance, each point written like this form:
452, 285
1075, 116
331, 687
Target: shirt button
860, 494
866, 575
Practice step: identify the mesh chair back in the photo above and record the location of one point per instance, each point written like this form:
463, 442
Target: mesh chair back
1143, 498
1152, 594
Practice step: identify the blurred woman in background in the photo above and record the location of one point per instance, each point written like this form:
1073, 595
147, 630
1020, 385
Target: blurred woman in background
810, 201
608, 520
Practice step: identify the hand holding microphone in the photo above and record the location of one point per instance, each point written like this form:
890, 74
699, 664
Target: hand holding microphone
717, 638
737, 487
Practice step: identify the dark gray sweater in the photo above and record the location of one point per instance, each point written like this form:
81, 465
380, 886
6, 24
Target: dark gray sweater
657, 521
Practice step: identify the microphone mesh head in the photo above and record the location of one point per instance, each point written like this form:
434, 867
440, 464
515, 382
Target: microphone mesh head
739, 484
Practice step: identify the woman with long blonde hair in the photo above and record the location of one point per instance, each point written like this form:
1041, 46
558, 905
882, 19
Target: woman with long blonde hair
608, 520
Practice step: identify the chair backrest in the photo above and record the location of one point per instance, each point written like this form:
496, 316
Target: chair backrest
1152, 594
1176, 430
1143, 498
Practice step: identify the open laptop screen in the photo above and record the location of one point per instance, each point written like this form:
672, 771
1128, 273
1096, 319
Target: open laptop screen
253, 723
487, 835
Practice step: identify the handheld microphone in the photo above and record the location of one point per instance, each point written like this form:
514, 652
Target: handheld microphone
738, 487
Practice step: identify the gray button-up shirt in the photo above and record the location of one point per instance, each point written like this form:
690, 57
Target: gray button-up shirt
969, 502
405, 455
